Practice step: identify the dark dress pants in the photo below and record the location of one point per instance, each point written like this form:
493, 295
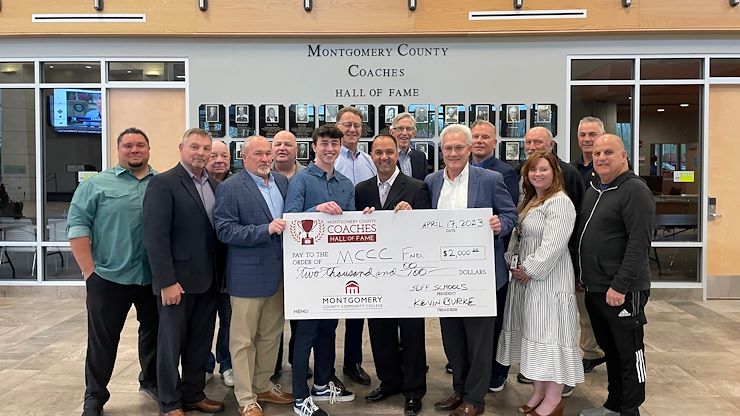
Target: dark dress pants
468, 343
222, 357
185, 336
400, 366
321, 335
108, 304
291, 343
621, 339
353, 342
499, 371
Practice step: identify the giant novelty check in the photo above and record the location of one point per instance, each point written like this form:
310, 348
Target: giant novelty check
418, 263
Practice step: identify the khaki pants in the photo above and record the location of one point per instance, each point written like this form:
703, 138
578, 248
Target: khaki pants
591, 350
256, 325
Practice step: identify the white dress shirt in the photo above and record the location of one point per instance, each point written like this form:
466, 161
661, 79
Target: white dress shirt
454, 193
385, 187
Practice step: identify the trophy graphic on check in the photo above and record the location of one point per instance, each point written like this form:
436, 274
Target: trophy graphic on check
308, 226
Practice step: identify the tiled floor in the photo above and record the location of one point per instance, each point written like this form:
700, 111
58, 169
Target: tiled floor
693, 356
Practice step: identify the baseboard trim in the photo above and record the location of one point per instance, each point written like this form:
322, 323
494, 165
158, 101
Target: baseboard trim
723, 287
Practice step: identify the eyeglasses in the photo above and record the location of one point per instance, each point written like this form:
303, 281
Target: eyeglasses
405, 129
349, 125
457, 149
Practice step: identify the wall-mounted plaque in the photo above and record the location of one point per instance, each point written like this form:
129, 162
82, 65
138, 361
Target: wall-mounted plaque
328, 113
428, 148
388, 113
544, 115
235, 148
424, 117
512, 152
451, 114
212, 118
272, 119
242, 120
304, 153
368, 119
485, 112
513, 120
301, 119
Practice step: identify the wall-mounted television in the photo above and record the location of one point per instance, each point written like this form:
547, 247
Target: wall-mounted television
75, 110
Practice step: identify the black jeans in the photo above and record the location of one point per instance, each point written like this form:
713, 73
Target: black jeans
108, 304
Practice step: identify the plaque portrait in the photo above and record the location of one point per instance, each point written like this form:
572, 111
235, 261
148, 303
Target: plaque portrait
513, 120
212, 115
451, 115
544, 115
481, 112
242, 114
271, 114
241, 120
362, 108
425, 117
330, 115
302, 152
390, 113
512, 151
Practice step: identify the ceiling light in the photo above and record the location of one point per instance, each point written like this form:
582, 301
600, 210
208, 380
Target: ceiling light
129, 72
51, 66
88, 67
684, 105
660, 110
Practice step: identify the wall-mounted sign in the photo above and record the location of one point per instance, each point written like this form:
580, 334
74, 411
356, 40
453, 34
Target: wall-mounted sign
544, 115
301, 119
272, 119
683, 176
242, 120
212, 118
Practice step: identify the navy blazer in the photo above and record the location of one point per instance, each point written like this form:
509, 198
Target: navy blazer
486, 189
511, 177
180, 240
419, 169
254, 258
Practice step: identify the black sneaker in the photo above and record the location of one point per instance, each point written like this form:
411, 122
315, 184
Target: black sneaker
92, 411
589, 365
306, 407
332, 394
337, 382
524, 380
448, 368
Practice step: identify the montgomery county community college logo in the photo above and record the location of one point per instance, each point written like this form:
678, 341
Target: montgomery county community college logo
352, 288
307, 232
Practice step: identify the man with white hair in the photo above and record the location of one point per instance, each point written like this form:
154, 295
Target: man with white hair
468, 341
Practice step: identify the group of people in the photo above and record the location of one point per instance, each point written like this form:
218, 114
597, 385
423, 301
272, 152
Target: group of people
196, 241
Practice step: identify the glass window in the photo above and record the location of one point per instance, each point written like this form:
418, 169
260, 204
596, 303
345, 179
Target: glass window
671, 68
670, 157
17, 171
610, 103
724, 67
70, 72
16, 72
72, 146
146, 71
602, 69
680, 264
60, 264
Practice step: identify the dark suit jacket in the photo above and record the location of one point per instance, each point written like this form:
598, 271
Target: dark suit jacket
511, 177
254, 258
404, 188
486, 189
180, 241
418, 164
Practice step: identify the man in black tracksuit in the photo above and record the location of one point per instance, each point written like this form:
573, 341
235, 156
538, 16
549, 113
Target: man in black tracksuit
616, 223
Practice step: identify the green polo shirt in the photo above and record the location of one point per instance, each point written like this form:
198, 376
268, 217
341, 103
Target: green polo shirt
108, 209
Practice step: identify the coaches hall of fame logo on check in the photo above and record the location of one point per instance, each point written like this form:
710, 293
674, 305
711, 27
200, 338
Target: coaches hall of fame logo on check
307, 232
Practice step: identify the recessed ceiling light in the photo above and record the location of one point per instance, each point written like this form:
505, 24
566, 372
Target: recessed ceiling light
51, 66
88, 67
129, 71
684, 105
660, 110
180, 76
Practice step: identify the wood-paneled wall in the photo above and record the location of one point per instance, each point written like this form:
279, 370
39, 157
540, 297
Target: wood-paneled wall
366, 17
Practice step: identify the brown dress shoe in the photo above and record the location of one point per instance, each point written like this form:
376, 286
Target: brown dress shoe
176, 412
206, 406
275, 395
253, 409
467, 409
450, 403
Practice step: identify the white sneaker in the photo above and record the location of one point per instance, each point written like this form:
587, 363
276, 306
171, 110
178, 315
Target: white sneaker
601, 411
228, 377
209, 376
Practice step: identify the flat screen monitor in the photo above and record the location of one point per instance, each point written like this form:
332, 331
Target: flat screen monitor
75, 110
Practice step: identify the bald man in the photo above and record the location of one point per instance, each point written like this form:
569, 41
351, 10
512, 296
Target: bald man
614, 232
248, 218
284, 148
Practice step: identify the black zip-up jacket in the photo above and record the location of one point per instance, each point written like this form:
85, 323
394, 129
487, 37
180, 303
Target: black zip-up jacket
614, 231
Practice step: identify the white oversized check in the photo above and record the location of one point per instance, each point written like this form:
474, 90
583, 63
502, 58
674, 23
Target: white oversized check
419, 263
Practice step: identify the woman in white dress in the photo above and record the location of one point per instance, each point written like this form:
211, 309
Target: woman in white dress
540, 317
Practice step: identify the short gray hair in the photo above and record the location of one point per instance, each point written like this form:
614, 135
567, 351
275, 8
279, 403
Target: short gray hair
397, 119
483, 123
591, 119
456, 128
